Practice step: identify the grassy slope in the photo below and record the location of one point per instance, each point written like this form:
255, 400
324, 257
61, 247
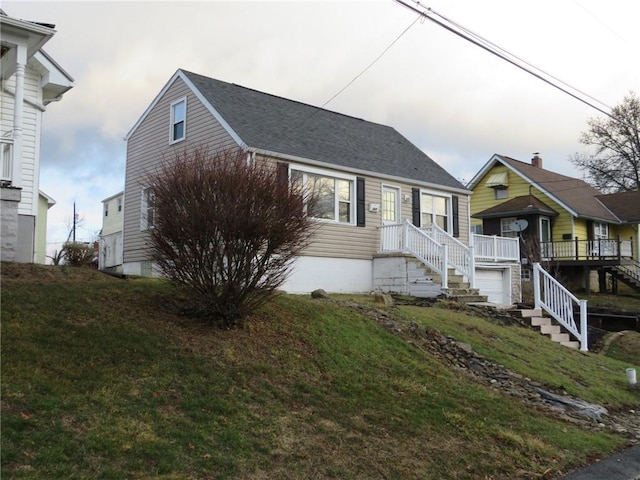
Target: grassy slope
101, 380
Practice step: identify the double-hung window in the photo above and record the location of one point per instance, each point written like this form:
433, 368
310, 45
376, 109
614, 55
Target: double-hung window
147, 209
435, 210
119, 204
333, 196
178, 120
505, 227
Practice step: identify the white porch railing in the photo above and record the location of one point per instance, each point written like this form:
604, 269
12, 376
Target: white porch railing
494, 249
6, 167
407, 238
460, 256
558, 302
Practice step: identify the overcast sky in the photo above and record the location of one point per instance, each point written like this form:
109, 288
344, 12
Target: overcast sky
456, 102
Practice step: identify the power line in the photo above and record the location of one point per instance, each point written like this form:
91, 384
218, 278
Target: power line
492, 48
372, 63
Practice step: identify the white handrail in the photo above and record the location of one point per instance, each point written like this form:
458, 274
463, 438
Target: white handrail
407, 238
460, 256
492, 248
558, 302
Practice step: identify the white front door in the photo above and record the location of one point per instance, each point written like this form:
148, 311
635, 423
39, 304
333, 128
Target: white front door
390, 205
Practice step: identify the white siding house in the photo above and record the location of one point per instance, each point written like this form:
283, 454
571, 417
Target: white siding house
30, 80
390, 181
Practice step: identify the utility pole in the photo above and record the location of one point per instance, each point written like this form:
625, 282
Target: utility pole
74, 222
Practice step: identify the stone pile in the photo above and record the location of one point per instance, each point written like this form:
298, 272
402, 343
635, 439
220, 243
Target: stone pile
461, 358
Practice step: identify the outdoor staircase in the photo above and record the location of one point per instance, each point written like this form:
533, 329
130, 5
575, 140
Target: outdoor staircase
628, 273
545, 326
424, 281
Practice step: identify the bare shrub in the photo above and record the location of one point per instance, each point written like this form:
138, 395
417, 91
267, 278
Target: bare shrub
226, 229
77, 254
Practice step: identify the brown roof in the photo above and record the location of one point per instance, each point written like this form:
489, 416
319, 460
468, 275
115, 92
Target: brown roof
576, 194
625, 205
524, 205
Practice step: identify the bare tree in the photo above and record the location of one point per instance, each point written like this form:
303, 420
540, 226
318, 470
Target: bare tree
227, 229
615, 165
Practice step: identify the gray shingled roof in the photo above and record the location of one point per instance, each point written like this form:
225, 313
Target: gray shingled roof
573, 192
276, 124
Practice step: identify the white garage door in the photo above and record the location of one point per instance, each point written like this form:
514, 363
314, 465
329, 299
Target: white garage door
491, 282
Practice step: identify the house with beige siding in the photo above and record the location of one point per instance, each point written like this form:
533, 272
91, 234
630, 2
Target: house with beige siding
30, 80
391, 217
560, 221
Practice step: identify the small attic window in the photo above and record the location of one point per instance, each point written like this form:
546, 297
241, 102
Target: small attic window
498, 180
178, 120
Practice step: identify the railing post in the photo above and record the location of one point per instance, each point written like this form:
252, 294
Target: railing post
536, 285
445, 271
584, 343
472, 267
405, 236
578, 248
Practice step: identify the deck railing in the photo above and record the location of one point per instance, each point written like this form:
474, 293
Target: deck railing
460, 257
6, 167
607, 248
556, 300
495, 249
407, 238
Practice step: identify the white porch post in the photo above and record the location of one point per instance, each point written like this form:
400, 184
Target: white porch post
536, 285
21, 61
584, 341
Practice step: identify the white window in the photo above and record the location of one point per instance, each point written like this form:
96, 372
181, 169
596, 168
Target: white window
525, 274
505, 227
147, 209
119, 204
501, 193
476, 229
600, 231
178, 120
106, 209
435, 210
334, 196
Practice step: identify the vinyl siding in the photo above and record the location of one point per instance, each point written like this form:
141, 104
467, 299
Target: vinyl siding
145, 150
484, 197
31, 121
151, 139
114, 221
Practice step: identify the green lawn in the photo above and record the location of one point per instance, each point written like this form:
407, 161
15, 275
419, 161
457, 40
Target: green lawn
102, 378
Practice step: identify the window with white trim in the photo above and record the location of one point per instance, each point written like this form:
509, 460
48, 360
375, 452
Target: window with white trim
435, 209
505, 227
147, 209
333, 195
476, 229
600, 231
119, 204
178, 120
106, 209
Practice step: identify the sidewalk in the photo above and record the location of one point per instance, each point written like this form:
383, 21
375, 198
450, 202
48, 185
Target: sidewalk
624, 465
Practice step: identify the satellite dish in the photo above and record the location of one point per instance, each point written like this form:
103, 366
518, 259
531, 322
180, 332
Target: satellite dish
519, 225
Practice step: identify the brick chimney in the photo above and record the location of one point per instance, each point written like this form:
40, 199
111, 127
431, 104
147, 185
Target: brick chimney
536, 161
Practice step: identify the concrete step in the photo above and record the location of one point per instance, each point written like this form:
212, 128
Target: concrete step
560, 337
527, 313
469, 298
540, 321
549, 329
571, 344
